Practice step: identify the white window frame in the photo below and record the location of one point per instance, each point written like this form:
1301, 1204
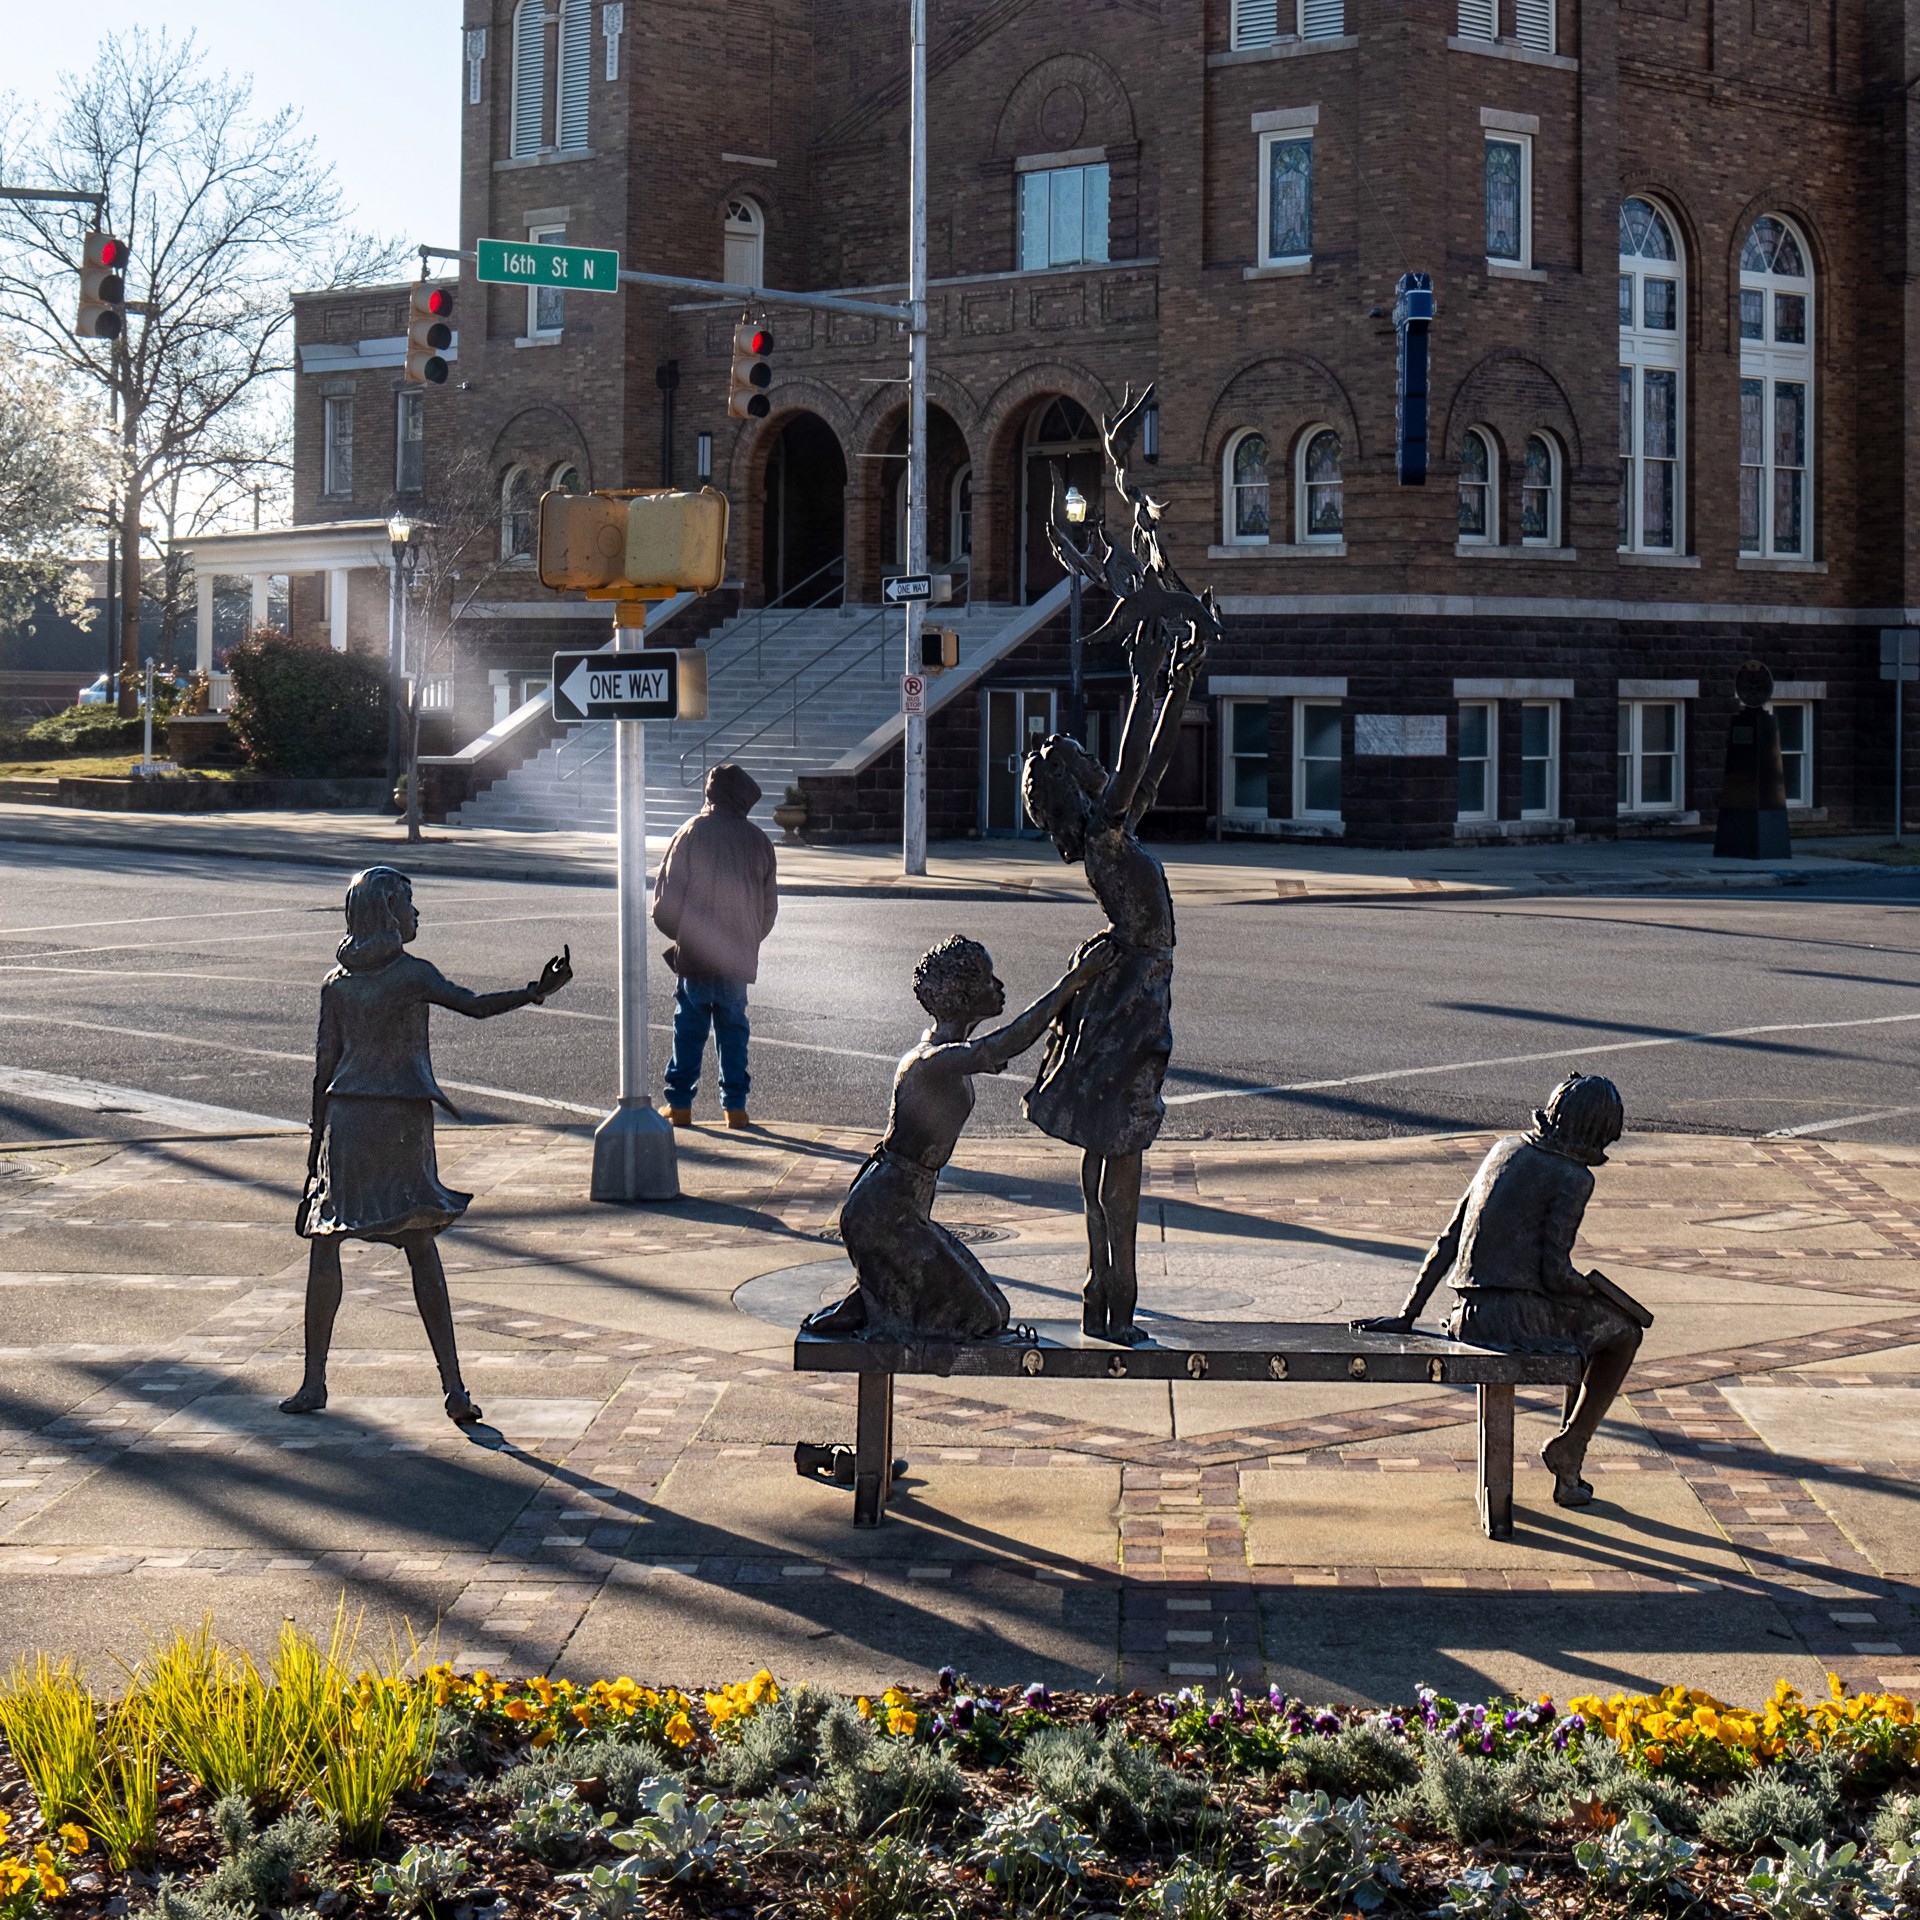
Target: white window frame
1230, 492
1772, 365
1490, 760
510, 553
1230, 806
1556, 468
748, 234
1656, 350
1301, 811
1535, 26
1635, 756
1550, 809
1477, 20
527, 57
1490, 537
336, 480
1303, 534
554, 235
1257, 23
1502, 136
1269, 138
1028, 179
1807, 709
409, 409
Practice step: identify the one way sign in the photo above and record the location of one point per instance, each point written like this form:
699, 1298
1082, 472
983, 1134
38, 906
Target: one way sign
898, 588
616, 686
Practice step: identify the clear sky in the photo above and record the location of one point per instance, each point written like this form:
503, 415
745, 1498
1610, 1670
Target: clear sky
376, 82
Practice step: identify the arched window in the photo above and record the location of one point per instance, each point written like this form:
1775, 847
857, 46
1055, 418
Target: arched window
1776, 392
1248, 522
565, 478
1652, 376
529, 110
1318, 489
960, 516
1540, 469
1479, 496
518, 505
745, 244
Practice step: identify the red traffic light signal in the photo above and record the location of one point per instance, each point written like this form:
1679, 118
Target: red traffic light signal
752, 373
428, 334
103, 288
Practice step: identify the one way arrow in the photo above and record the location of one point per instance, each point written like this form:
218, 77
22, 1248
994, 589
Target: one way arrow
576, 684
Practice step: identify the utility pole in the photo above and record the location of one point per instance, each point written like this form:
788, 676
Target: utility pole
914, 745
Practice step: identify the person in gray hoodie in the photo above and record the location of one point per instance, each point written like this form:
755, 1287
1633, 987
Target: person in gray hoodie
715, 898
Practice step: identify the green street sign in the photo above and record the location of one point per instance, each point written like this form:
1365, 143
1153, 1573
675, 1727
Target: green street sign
533, 263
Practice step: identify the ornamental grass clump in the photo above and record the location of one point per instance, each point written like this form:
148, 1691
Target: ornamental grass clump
50, 1719
121, 1805
1639, 1860
1327, 1853
378, 1743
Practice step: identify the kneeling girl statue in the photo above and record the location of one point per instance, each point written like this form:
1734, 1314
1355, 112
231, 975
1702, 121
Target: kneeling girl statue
371, 1170
915, 1279
1507, 1254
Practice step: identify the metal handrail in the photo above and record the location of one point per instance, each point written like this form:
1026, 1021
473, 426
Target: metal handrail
760, 634
701, 745
879, 646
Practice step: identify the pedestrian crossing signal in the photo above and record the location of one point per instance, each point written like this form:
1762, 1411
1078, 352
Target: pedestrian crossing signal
752, 373
428, 334
103, 288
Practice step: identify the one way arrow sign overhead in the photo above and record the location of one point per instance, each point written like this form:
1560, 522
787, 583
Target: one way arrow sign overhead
609, 686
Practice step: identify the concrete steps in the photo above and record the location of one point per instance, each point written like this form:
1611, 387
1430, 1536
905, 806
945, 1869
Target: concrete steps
787, 694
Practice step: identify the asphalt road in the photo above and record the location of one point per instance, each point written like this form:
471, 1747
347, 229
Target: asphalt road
194, 980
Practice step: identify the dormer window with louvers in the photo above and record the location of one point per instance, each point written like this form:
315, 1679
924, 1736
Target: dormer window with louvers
1262, 23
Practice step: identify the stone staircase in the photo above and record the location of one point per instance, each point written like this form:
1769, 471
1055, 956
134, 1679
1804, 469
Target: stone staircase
787, 694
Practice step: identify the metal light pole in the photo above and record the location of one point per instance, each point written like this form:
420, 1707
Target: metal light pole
399, 533
635, 1156
1076, 509
914, 799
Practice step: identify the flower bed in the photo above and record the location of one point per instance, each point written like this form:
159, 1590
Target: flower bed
218, 1790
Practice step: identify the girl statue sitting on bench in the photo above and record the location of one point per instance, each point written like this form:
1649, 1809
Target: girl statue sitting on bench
1507, 1254
916, 1281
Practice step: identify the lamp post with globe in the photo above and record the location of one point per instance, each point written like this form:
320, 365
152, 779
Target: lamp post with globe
1063, 536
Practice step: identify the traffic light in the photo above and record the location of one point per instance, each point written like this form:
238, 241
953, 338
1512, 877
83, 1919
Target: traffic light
1412, 316
428, 334
752, 373
103, 288
606, 543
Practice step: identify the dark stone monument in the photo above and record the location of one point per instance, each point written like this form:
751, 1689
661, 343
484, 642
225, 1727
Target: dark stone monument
916, 1280
1753, 795
1099, 1083
1507, 1254
371, 1169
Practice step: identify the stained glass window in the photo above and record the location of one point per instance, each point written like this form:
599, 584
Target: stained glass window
1325, 505
1538, 515
1660, 444
1289, 199
1772, 248
1790, 319
1248, 481
1644, 232
1506, 168
1753, 314
1789, 463
1753, 460
1652, 362
1659, 305
1776, 391
1475, 486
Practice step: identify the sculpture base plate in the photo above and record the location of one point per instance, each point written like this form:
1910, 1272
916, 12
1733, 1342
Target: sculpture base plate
634, 1156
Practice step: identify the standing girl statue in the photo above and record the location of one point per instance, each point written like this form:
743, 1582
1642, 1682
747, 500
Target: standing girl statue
1099, 1084
371, 1171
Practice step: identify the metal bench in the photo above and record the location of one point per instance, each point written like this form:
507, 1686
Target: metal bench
1238, 1350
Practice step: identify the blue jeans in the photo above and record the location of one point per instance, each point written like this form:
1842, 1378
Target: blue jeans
696, 1004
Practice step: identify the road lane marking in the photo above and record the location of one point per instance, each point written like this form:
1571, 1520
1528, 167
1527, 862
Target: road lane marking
95, 1096
1529, 1059
1827, 1126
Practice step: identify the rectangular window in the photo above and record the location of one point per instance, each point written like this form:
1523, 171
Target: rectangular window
1659, 305
1063, 217
1479, 19
338, 478
1508, 165
1316, 760
1650, 776
1660, 453
1256, 23
1796, 749
1789, 463
1479, 787
546, 306
1246, 768
1259, 23
1753, 460
1322, 19
1753, 314
576, 70
409, 442
1286, 189
1533, 24
1540, 760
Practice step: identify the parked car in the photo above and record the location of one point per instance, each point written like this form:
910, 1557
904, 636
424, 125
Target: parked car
96, 695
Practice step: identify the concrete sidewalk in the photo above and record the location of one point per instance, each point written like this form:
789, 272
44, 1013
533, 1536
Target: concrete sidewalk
632, 1506
1200, 873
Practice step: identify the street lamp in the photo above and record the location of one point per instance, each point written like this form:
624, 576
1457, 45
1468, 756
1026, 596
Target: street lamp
1063, 526
400, 536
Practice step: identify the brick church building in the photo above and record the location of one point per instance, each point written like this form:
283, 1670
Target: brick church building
1675, 418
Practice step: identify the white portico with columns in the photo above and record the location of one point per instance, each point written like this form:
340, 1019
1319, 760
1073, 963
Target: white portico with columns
334, 549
